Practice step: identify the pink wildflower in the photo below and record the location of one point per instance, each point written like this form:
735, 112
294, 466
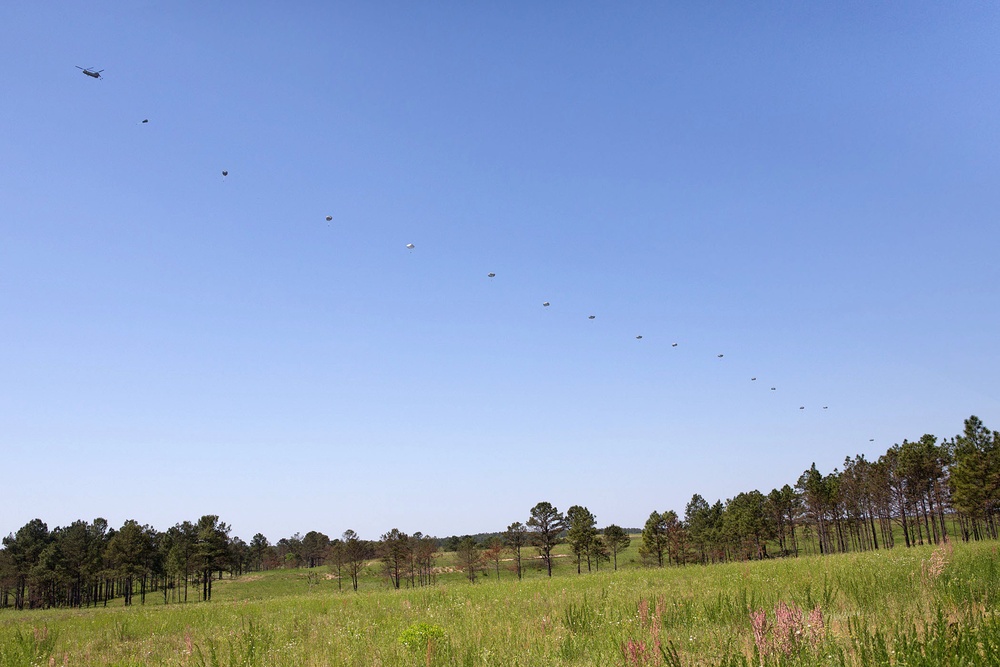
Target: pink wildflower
758, 621
816, 626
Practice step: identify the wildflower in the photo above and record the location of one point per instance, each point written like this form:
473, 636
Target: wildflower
635, 652
643, 612
787, 627
815, 625
758, 621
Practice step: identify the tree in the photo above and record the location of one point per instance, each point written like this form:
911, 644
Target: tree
616, 540
469, 557
210, 550
180, 557
394, 550
598, 552
494, 553
582, 530
290, 550
355, 554
546, 524
747, 524
258, 549
818, 495
423, 548
129, 551
697, 517
24, 548
516, 538
654, 538
975, 478
314, 546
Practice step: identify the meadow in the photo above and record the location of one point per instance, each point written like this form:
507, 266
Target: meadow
919, 606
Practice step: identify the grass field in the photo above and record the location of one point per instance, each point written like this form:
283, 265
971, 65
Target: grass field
920, 606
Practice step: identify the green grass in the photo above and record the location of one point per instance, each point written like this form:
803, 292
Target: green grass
904, 607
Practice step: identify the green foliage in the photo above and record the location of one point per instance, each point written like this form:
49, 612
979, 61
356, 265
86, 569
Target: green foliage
937, 643
419, 635
28, 647
250, 647
579, 618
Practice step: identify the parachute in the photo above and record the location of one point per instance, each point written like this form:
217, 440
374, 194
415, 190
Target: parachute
329, 218
410, 246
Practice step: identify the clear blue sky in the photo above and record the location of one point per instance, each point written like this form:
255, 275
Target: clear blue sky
809, 189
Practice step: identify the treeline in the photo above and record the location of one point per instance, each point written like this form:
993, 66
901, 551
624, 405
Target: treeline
917, 492
912, 493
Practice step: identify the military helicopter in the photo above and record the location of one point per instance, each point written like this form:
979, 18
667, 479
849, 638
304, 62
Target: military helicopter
91, 72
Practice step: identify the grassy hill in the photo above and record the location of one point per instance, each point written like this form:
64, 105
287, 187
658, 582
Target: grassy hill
920, 606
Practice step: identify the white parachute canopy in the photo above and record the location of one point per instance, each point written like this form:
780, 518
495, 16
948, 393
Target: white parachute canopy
410, 246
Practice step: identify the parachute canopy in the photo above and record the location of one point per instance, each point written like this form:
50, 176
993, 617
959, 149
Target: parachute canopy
410, 246
329, 218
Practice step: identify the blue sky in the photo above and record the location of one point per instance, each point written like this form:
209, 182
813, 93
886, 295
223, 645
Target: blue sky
806, 188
